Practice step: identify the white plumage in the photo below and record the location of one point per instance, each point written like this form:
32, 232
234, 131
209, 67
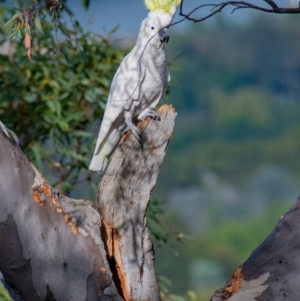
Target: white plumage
138, 85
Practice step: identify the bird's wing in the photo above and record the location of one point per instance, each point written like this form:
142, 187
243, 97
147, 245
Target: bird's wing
125, 88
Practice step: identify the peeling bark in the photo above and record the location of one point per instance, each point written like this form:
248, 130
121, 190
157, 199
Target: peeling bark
271, 273
123, 198
51, 246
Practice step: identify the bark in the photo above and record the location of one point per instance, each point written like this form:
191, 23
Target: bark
51, 246
271, 272
123, 198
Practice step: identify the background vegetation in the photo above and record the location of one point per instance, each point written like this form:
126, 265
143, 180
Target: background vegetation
232, 167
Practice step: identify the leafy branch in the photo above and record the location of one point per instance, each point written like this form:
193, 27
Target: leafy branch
22, 22
52, 104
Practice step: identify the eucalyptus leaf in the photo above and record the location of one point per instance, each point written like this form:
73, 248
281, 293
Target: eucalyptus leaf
38, 24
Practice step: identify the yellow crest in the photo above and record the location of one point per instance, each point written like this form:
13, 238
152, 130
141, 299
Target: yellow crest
164, 5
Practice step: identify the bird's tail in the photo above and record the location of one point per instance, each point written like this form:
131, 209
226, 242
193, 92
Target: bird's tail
98, 163
104, 149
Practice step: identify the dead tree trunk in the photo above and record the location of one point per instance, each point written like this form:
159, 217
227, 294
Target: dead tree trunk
271, 273
123, 199
51, 246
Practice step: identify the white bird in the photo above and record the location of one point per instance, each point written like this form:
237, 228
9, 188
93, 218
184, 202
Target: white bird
139, 83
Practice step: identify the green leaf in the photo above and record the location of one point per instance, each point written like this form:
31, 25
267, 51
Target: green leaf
192, 295
21, 17
164, 281
85, 3
85, 81
4, 296
38, 24
177, 298
20, 34
65, 53
64, 95
112, 31
14, 17
82, 134
9, 28
74, 117
54, 84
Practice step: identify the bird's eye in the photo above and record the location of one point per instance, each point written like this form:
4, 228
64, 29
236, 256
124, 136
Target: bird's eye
152, 28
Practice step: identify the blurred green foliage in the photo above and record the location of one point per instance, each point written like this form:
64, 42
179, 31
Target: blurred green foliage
204, 262
157, 221
4, 296
237, 98
54, 102
166, 286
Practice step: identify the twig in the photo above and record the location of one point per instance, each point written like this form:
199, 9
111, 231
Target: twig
217, 8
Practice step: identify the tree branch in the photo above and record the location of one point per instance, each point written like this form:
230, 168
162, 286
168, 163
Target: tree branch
123, 196
217, 8
51, 245
272, 270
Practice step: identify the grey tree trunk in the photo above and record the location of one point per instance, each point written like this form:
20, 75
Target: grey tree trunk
56, 248
271, 273
123, 198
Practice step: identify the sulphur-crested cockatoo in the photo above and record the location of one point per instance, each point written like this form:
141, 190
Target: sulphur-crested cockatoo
139, 83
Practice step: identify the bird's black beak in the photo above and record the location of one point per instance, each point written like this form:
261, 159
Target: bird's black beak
164, 35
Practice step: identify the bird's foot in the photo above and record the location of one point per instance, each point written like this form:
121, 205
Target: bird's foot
149, 113
129, 126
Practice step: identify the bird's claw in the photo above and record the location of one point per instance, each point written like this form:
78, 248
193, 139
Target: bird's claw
150, 113
129, 126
